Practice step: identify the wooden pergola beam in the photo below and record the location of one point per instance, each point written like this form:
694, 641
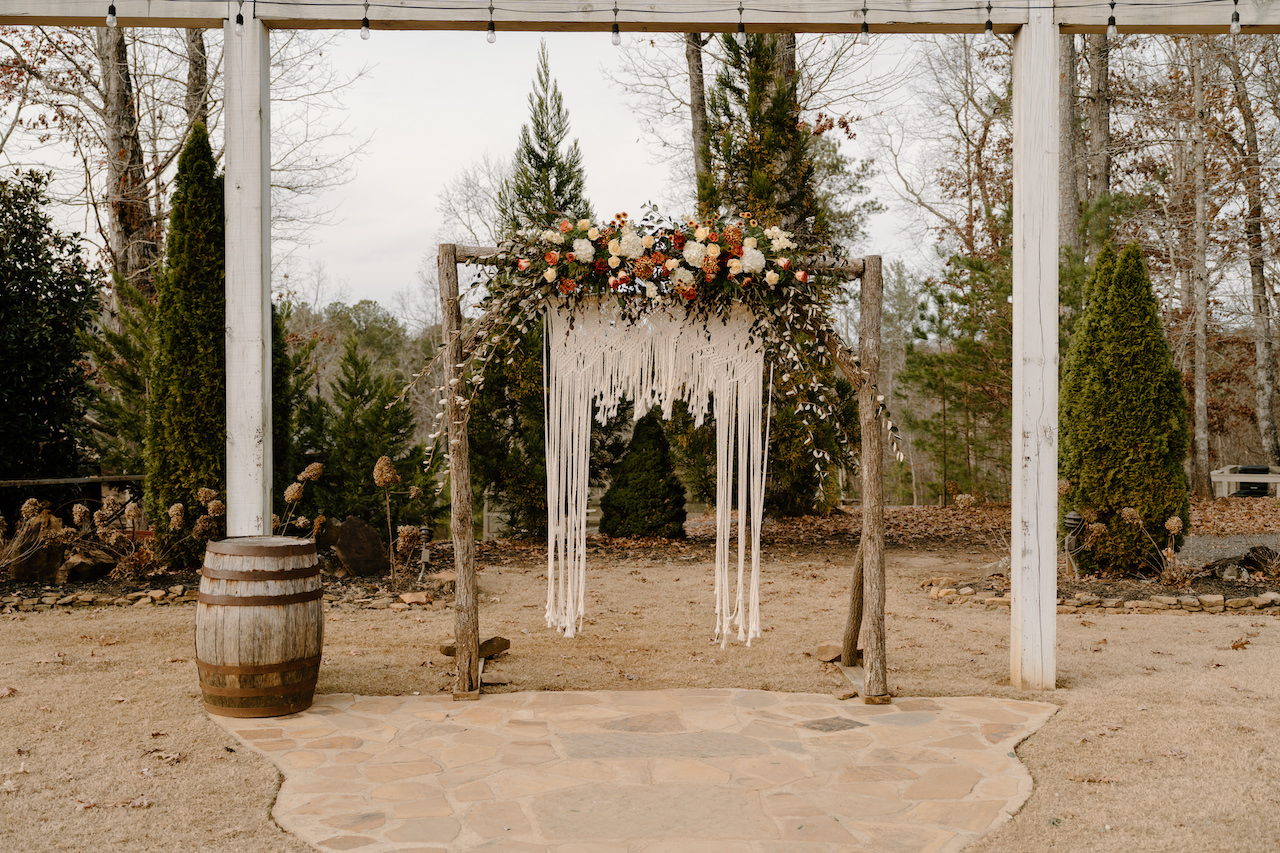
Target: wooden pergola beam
652, 16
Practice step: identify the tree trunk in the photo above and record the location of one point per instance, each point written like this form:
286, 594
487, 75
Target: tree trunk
1069, 237
197, 101
1099, 56
1251, 177
132, 238
698, 121
876, 683
1201, 485
853, 622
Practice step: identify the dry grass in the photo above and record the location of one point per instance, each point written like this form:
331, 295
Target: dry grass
1167, 734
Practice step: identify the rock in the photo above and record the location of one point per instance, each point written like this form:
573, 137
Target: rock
1238, 603
1207, 601
1260, 602
493, 679
421, 597
84, 568
177, 590
828, 652
1190, 603
133, 596
156, 594
1111, 602
380, 603
398, 606
360, 549
1230, 572
967, 591
997, 602
491, 647
1273, 597
1166, 600
145, 601
1087, 598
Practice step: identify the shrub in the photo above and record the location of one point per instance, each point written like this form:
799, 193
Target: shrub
646, 498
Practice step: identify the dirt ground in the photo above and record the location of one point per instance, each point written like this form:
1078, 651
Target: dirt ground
1167, 737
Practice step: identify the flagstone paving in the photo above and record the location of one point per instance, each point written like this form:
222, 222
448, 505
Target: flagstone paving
646, 772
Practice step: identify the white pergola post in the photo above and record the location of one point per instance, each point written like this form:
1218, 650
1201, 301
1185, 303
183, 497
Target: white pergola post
1033, 546
248, 228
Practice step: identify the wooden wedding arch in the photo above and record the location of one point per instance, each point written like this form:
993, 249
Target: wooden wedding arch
1034, 24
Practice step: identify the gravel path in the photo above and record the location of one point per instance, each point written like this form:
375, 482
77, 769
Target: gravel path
1199, 550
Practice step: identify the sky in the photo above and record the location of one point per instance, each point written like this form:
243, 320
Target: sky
431, 104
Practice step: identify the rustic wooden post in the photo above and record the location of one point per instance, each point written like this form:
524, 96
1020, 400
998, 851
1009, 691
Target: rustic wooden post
853, 623
877, 680
247, 192
466, 633
1033, 547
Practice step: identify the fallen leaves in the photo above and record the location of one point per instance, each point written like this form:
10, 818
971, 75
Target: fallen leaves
8, 786
1174, 752
169, 758
1094, 780
1239, 644
6, 692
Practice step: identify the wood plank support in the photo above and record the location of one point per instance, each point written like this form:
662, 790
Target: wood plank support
872, 545
1033, 545
248, 284
466, 632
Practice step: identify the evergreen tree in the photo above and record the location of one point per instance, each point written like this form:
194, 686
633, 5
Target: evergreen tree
646, 497
47, 297
1123, 424
547, 180
186, 418
121, 362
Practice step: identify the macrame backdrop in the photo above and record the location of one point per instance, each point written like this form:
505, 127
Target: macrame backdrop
595, 358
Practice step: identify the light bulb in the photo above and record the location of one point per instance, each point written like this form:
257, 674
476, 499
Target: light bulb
990, 30
364, 28
239, 24
617, 36
1235, 23
111, 15
492, 35
864, 35
1112, 32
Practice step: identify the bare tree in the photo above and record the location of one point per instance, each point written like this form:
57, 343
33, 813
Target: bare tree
468, 204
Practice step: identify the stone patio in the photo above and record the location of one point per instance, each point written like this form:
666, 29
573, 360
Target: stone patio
646, 772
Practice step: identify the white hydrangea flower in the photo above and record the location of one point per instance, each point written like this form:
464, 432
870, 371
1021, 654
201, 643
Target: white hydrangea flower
584, 249
651, 290
632, 245
752, 260
694, 253
552, 236
682, 276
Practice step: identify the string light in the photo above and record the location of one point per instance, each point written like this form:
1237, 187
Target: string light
617, 36
1235, 18
864, 34
492, 35
240, 19
990, 29
1112, 32
364, 22
742, 27
111, 15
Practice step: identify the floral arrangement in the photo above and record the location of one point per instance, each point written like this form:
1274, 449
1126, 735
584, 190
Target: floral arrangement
706, 266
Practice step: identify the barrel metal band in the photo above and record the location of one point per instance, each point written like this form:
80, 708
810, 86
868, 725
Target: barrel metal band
261, 546
267, 575
259, 600
273, 711
273, 690
257, 668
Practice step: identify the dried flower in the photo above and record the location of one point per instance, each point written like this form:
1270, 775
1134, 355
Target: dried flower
4, 526
408, 538
301, 522
30, 509
133, 512
177, 514
217, 509
80, 514
203, 528
965, 501
293, 494
1131, 515
311, 472
1093, 533
204, 495
414, 493
275, 521
110, 506
1064, 487
1173, 525
384, 474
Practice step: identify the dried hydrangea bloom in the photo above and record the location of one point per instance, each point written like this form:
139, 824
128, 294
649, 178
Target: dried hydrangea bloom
408, 537
217, 509
275, 522
1093, 533
301, 522
293, 494
177, 515
1174, 525
30, 509
1064, 486
311, 472
384, 474
133, 512
203, 528
4, 526
965, 501
110, 506
81, 515
1131, 515
100, 519
414, 493
204, 495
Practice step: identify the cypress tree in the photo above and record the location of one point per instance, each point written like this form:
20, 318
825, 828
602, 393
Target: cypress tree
186, 418
646, 497
1123, 424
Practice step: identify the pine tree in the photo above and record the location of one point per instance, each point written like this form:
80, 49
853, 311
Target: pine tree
47, 297
186, 418
121, 361
646, 497
1123, 424
547, 180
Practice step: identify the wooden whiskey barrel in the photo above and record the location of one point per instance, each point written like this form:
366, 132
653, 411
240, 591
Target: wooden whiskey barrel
259, 626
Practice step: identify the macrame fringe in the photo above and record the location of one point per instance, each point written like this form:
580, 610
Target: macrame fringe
594, 359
